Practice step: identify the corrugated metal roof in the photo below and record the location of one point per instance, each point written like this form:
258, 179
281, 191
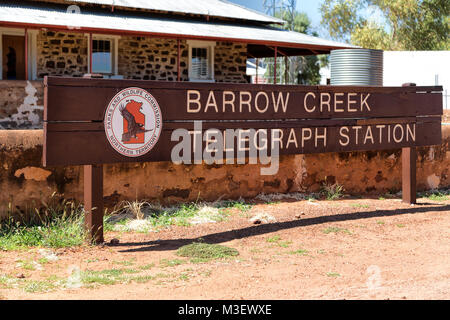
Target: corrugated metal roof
108, 22
213, 8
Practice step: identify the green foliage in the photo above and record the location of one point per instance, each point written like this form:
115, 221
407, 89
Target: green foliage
240, 205
273, 239
301, 69
332, 191
336, 230
57, 225
206, 251
401, 24
171, 263
300, 252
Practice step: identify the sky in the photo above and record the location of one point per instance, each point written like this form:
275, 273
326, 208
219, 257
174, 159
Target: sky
310, 7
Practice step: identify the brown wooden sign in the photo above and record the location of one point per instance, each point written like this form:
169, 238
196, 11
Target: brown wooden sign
314, 119
97, 121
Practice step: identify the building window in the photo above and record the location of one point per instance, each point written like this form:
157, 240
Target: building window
201, 60
102, 56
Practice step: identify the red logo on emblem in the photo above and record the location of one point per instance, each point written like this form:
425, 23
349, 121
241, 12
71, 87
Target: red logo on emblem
133, 123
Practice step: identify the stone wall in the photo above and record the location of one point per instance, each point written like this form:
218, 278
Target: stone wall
141, 58
230, 63
21, 104
25, 184
61, 54
145, 58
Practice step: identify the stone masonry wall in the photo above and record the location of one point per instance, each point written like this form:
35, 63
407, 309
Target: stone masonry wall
21, 104
144, 58
141, 58
230, 63
61, 54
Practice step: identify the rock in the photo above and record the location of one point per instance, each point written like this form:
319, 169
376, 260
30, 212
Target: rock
298, 216
255, 220
48, 254
114, 241
20, 276
262, 218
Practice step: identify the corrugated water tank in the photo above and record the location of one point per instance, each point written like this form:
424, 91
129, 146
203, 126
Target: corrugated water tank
357, 67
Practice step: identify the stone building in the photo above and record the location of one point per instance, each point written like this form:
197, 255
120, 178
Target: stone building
170, 40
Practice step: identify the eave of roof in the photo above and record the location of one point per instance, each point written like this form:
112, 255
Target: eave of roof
122, 23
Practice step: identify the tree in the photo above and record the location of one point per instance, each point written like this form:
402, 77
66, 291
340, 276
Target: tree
401, 24
300, 69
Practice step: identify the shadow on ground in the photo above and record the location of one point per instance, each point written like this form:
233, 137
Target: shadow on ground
173, 244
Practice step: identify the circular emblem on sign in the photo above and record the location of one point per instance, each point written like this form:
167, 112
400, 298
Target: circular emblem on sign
133, 122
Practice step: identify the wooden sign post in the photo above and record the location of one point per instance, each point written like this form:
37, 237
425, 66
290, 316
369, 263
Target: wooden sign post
92, 122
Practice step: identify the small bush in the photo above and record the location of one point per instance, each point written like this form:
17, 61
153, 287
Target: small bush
332, 191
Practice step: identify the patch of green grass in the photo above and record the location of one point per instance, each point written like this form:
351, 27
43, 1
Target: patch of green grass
162, 275
301, 252
438, 196
359, 205
7, 282
147, 266
110, 225
206, 251
199, 260
171, 263
336, 230
240, 205
333, 274
381, 198
184, 277
284, 244
126, 263
273, 239
26, 265
175, 216
380, 222
400, 225
41, 286
142, 279
277, 240
206, 273
55, 226
106, 277
256, 250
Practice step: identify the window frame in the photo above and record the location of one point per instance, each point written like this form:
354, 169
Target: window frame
114, 53
209, 46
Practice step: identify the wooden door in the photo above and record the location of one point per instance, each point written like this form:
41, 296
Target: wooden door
13, 57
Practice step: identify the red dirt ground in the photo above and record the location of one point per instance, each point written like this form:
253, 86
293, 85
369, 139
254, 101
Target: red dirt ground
355, 249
